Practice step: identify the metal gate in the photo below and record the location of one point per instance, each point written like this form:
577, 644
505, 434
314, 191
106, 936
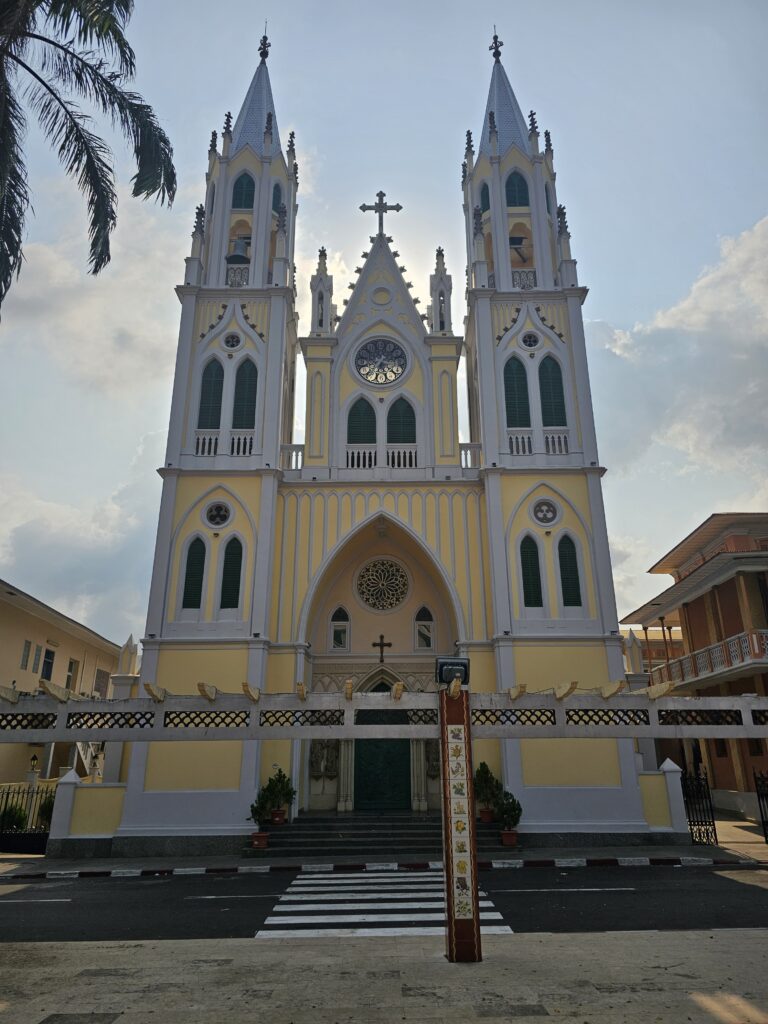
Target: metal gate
698, 807
761, 788
25, 817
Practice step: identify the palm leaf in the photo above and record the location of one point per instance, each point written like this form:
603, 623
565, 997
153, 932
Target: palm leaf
96, 21
14, 193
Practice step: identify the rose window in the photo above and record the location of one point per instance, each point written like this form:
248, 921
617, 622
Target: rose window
382, 584
217, 514
545, 512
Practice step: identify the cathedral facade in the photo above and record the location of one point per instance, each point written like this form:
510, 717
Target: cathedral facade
383, 540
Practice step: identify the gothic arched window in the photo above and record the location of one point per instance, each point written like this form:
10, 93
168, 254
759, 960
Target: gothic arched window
517, 190
531, 573
552, 395
230, 574
361, 423
277, 197
340, 630
244, 405
243, 192
424, 625
193, 574
485, 198
516, 394
401, 423
211, 386
548, 199
441, 311
569, 572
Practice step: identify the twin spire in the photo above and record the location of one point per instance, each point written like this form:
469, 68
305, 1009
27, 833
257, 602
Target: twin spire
258, 108
502, 111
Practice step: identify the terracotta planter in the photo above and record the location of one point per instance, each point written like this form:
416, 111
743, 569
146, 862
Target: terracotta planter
486, 814
259, 840
278, 816
509, 837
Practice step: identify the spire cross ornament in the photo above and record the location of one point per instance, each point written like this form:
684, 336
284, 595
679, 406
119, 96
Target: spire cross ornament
380, 207
496, 46
381, 643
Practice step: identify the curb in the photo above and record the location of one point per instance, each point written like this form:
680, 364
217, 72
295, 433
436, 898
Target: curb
482, 865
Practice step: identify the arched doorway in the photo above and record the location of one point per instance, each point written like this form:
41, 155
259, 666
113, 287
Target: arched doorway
382, 766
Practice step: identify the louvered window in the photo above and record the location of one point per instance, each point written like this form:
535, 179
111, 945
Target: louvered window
243, 192
211, 386
517, 190
531, 571
230, 576
361, 423
401, 423
193, 575
244, 406
552, 396
485, 198
277, 197
516, 394
569, 573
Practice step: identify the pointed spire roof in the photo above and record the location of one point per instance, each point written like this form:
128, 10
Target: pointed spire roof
258, 103
510, 123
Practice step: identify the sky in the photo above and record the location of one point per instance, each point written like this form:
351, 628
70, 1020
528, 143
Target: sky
657, 115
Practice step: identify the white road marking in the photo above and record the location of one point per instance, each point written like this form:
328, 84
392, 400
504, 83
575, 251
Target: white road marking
351, 918
395, 905
617, 888
375, 878
3, 902
367, 933
390, 894
252, 896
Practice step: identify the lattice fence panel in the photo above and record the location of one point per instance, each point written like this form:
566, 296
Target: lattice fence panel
422, 716
607, 716
205, 719
27, 720
276, 719
684, 716
513, 716
110, 720
760, 716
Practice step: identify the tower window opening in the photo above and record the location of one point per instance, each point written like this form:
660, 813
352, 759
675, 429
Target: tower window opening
277, 198
211, 387
361, 423
531, 573
569, 573
193, 575
552, 394
517, 190
548, 199
424, 629
441, 312
243, 192
320, 309
485, 198
340, 630
244, 405
516, 394
230, 575
401, 423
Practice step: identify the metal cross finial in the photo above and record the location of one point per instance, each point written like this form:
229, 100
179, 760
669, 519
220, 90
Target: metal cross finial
264, 44
381, 643
496, 46
380, 208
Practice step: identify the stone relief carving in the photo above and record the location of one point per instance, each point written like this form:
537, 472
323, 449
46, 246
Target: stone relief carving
324, 759
432, 752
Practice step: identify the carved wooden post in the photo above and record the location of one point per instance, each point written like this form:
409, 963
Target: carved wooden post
459, 842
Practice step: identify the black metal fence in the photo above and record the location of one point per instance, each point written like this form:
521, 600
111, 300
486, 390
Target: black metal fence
698, 807
25, 817
761, 788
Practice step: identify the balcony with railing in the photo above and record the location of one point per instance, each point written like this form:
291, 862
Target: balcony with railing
520, 441
525, 441
361, 456
470, 455
207, 442
402, 456
737, 656
291, 457
523, 279
241, 442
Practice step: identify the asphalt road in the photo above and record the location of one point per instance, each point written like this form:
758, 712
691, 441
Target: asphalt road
283, 903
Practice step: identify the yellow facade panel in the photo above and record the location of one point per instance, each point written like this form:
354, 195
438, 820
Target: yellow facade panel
193, 765
570, 762
97, 810
653, 790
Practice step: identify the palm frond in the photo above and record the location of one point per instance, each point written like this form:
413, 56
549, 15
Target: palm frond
14, 193
85, 157
96, 21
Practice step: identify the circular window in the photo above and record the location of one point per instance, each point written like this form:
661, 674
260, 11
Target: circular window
232, 341
381, 361
217, 514
530, 340
381, 296
382, 584
545, 512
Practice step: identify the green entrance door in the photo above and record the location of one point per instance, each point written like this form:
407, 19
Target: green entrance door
383, 767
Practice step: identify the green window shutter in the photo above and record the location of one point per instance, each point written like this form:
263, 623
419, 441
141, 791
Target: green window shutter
361, 423
277, 197
485, 198
552, 396
401, 423
569, 573
529, 563
243, 192
516, 394
244, 405
193, 576
230, 576
211, 386
517, 190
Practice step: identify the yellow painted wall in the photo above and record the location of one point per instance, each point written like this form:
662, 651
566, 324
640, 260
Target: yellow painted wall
193, 765
14, 760
97, 810
543, 665
275, 752
180, 669
653, 789
570, 763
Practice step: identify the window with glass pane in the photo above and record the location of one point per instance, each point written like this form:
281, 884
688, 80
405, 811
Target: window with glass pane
361, 423
517, 190
425, 627
47, 670
552, 395
401, 423
531, 572
25, 654
516, 394
193, 576
485, 198
230, 576
243, 192
340, 630
211, 387
36, 659
277, 197
244, 405
73, 669
569, 573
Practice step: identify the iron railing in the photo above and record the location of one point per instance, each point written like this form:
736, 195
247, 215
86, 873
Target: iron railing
761, 789
698, 807
25, 817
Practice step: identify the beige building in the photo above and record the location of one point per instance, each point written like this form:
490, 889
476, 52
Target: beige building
38, 643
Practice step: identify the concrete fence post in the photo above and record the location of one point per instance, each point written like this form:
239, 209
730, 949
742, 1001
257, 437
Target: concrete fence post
677, 813
63, 804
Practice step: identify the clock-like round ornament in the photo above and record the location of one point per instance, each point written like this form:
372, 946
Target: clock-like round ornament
381, 361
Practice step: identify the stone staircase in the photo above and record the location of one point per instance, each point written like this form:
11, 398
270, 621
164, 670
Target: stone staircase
369, 837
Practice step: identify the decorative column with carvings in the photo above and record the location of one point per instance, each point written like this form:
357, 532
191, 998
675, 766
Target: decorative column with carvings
346, 796
418, 776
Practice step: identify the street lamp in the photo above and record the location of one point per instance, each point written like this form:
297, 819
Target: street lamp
33, 762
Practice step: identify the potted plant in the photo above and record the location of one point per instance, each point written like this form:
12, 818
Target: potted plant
488, 790
260, 810
281, 794
509, 811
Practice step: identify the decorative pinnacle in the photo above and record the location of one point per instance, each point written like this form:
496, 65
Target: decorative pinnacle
477, 217
439, 259
469, 148
292, 142
228, 122
295, 172
491, 121
464, 174
264, 45
212, 144
268, 125
496, 46
199, 227
562, 220
533, 125
547, 142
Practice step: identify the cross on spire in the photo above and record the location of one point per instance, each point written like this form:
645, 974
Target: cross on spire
264, 44
380, 207
496, 46
381, 643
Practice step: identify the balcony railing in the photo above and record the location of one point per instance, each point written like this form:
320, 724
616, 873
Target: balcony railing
717, 659
556, 442
402, 456
361, 456
206, 442
524, 279
291, 456
241, 442
237, 276
520, 441
470, 455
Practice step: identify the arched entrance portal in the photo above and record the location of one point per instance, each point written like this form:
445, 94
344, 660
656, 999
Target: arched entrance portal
382, 766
